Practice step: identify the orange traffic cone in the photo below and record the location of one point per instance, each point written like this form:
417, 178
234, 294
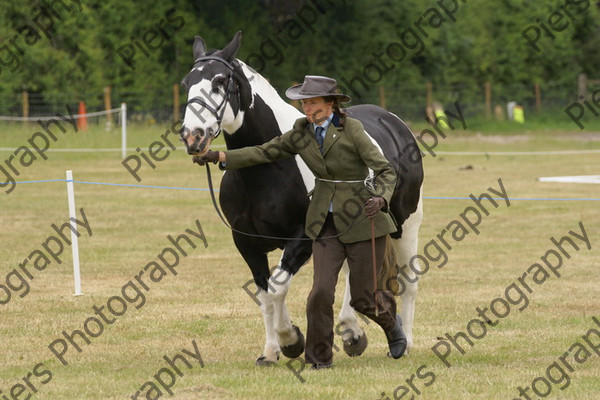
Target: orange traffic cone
82, 121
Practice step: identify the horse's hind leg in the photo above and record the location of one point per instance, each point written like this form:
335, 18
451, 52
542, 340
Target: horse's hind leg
406, 247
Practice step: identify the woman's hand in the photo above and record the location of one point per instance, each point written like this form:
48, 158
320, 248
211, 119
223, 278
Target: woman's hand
210, 156
373, 205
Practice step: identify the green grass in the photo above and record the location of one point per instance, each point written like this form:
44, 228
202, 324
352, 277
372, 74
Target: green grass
556, 121
205, 302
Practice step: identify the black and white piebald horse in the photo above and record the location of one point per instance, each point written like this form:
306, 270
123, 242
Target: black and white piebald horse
225, 94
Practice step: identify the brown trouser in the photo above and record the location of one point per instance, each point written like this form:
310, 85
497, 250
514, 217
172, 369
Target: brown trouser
328, 257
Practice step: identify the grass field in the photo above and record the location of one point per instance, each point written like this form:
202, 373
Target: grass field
205, 301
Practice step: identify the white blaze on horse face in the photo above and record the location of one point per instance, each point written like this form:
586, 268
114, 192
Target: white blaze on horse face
196, 115
199, 117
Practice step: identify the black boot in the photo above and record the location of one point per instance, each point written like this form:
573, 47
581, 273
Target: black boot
396, 339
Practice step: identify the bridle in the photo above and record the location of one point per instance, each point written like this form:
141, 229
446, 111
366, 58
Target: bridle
219, 111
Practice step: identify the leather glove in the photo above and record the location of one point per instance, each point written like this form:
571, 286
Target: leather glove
373, 205
210, 156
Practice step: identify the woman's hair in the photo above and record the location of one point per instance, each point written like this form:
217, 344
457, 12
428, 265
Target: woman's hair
336, 107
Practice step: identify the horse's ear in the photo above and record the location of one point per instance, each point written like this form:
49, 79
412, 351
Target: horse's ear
228, 53
199, 47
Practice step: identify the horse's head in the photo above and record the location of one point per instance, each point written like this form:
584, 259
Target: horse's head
217, 92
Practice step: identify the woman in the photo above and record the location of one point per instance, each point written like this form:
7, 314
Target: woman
339, 153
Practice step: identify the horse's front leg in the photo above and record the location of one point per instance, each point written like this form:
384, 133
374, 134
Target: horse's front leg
259, 265
289, 336
271, 351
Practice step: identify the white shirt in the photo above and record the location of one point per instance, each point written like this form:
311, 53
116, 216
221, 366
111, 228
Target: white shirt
324, 125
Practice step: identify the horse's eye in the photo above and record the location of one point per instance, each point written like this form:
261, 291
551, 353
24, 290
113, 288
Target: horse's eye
217, 83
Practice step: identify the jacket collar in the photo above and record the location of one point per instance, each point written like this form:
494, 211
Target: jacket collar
336, 120
333, 133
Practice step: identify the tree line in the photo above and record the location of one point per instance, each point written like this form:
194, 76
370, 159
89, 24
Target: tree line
71, 49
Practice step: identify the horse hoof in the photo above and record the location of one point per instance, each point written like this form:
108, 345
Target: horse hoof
263, 362
294, 350
355, 347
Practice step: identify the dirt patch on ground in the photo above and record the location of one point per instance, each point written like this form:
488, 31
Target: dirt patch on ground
497, 139
587, 137
581, 137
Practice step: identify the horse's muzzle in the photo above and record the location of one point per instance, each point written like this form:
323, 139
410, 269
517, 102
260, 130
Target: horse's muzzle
197, 142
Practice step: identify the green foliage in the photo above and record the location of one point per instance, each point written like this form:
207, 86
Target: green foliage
84, 51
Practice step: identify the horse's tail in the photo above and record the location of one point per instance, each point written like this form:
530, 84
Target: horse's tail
388, 275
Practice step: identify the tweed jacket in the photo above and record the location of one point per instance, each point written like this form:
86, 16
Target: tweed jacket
348, 154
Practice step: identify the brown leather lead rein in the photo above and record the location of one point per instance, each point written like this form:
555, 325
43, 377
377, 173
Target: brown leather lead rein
374, 266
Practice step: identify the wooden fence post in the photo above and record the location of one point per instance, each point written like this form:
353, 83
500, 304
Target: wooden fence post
498, 113
582, 86
488, 99
25, 97
429, 102
107, 93
175, 102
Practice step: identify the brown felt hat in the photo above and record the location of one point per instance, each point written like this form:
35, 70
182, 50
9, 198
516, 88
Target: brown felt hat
316, 86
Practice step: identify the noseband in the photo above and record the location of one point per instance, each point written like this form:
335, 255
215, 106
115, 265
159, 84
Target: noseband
220, 109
